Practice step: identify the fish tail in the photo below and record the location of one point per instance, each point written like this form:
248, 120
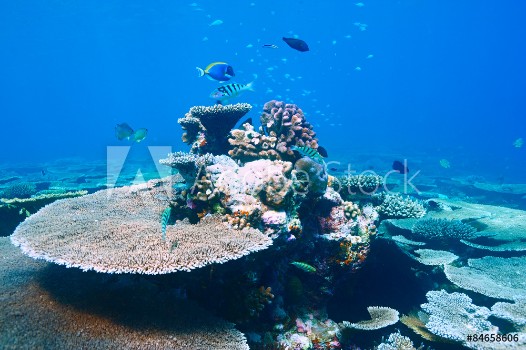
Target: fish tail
250, 86
200, 72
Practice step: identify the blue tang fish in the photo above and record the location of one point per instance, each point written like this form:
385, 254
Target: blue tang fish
229, 91
219, 71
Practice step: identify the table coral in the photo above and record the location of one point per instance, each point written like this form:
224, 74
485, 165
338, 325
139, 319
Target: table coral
207, 128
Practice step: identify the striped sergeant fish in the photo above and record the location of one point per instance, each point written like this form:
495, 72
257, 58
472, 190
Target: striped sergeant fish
303, 266
308, 152
229, 91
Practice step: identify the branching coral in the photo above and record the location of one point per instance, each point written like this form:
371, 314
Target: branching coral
188, 165
19, 190
282, 126
397, 207
363, 184
454, 317
207, 128
442, 229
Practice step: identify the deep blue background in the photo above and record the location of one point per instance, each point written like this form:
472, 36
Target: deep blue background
446, 80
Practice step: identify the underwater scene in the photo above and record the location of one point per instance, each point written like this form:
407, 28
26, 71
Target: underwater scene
266, 175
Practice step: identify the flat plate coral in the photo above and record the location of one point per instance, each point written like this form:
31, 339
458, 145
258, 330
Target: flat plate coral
119, 231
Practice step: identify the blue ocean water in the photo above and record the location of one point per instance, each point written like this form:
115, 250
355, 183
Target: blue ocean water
428, 80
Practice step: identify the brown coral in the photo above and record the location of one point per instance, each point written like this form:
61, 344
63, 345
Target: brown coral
283, 126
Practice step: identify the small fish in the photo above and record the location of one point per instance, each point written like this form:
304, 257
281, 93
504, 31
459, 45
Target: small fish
270, 46
444, 163
400, 167
123, 131
219, 71
322, 151
216, 23
164, 221
334, 169
297, 44
139, 134
44, 172
360, 4
308, 152
303, 266
226, 92
518, 143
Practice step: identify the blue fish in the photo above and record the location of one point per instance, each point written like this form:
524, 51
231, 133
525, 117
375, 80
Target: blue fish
219, 71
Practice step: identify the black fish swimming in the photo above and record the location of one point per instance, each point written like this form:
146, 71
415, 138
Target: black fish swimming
400, 167
322, 151
297, 44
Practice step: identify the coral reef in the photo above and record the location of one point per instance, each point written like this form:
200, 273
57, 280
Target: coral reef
381, 317
207, 128
491, 276
123, 235
454, 317
434, 257
189, 166
282, 126
396, 341
515, 313
19, 190
442, 230
395, 206
310, 177
363, 184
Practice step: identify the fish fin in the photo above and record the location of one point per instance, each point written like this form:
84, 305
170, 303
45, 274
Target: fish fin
209, 77
200, 72
213, 64
250, 86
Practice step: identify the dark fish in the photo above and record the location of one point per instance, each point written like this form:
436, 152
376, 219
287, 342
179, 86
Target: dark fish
297, 44
322, 151
123, 131
44, 172
333, 169
270, 46
400, 167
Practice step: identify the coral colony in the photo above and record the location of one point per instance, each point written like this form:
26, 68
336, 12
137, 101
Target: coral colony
244, 196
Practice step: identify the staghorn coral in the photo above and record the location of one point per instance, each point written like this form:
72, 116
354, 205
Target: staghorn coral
454, 317
397, 207
442, 230
118, 231
282, 126
47, 307
207, 128
381, 317
188, 165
